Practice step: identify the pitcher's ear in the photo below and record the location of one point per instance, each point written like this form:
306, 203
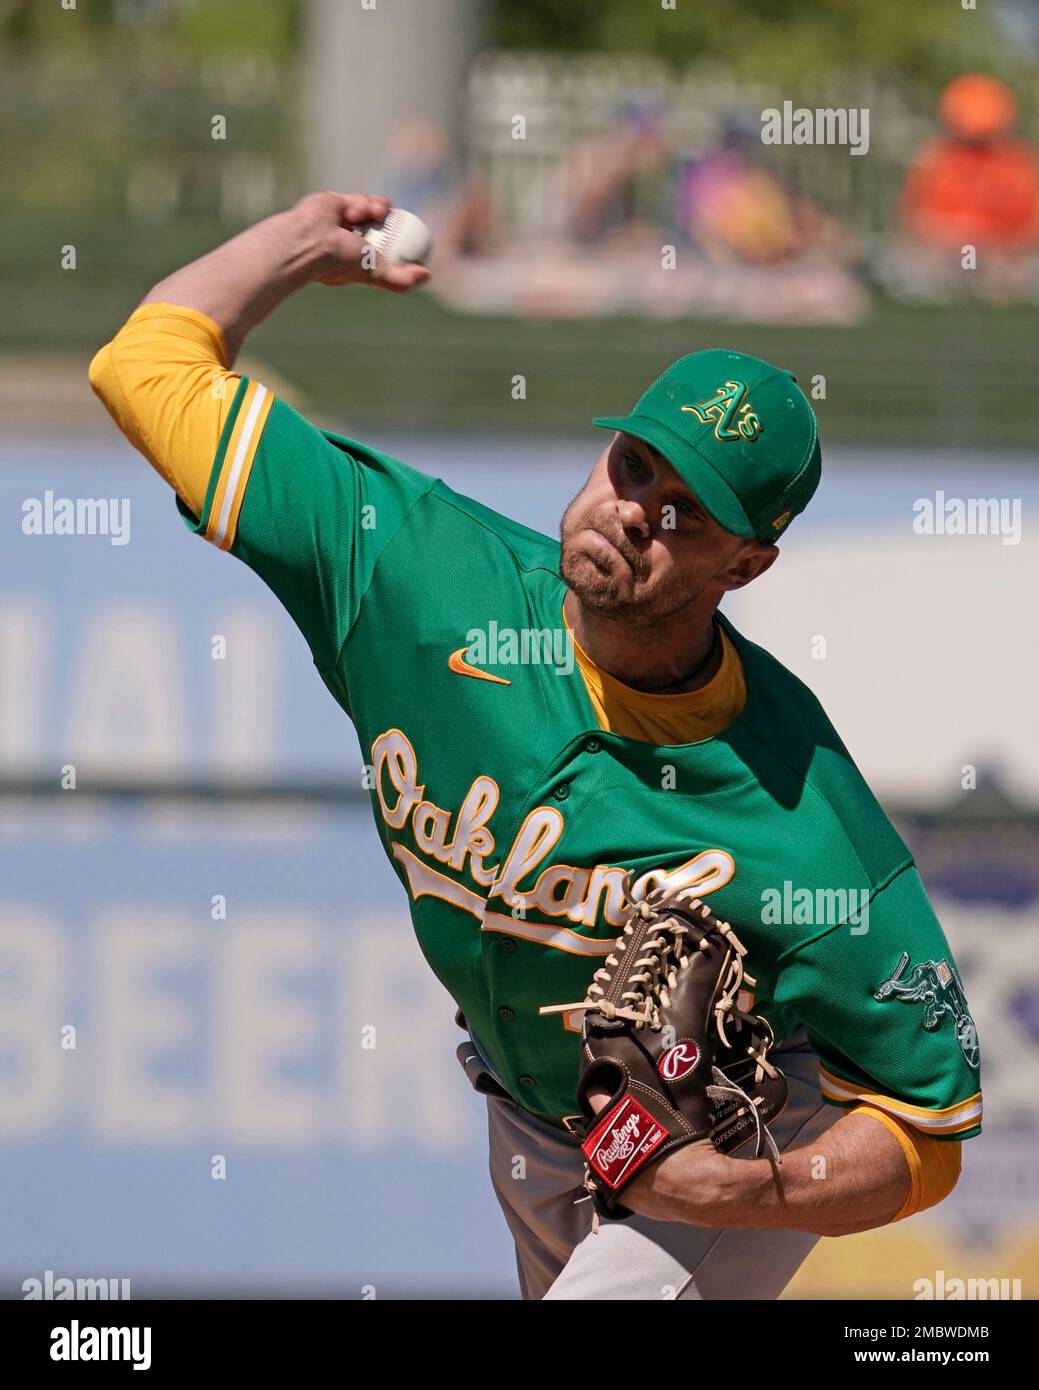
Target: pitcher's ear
751, 562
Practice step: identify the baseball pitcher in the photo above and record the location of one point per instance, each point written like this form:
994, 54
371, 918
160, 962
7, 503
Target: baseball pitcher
700, 982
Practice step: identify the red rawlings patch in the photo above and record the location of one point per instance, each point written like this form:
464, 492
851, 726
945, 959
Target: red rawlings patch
622, 1141
678, 1061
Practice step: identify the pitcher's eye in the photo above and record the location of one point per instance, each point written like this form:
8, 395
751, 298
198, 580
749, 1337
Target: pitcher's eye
690, 509
634, 465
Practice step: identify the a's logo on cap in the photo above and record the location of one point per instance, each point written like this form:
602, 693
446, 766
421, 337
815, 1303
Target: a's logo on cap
780, 521
733, 418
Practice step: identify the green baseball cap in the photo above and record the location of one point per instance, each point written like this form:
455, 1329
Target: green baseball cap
739, 431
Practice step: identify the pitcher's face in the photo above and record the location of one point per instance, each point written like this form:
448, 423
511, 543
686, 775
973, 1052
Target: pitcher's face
636, 542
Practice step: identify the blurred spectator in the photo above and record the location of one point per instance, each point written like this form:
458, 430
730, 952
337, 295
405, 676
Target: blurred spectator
976, 184
733, 209
753, 249
421, 176
600, 181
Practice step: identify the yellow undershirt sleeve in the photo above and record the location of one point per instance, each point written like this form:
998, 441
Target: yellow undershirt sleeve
165, 381
934, 1164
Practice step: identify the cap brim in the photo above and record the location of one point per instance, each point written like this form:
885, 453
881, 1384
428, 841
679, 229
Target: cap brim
710, 487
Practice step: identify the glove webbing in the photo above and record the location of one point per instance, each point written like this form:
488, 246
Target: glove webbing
657, 969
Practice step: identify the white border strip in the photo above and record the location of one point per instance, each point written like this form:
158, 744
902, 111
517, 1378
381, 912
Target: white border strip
241, 453
972, 1112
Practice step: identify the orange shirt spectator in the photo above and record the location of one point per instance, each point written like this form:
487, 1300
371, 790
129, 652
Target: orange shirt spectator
978, 184
987, 195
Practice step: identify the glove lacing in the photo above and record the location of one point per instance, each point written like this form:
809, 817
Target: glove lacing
656, 970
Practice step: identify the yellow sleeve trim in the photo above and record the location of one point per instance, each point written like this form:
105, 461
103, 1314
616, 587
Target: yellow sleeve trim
933, 1167
237, 465
164, 379
912, 1156
210, 327
954, 1119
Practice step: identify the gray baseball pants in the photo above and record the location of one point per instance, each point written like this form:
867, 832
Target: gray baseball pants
536, 1171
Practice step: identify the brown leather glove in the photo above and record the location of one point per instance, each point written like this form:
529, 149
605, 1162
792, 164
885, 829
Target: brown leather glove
664, 1039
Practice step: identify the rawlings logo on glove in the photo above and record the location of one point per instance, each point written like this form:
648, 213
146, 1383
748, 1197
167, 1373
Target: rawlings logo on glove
678, 1061
627, 1137
667, 1048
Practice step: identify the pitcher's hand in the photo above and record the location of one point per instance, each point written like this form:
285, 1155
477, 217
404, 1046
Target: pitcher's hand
331, 220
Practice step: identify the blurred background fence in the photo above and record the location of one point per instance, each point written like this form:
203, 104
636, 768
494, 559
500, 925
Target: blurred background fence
141, 133
572, 98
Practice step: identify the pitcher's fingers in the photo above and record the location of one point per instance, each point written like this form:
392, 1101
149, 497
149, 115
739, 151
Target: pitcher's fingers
364, 207
399, 278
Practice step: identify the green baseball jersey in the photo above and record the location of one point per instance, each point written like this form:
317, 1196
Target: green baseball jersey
520, 829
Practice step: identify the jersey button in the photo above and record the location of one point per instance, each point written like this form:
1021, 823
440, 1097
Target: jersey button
593, 745
506, 1014
506, 945
527, 1081
562, 791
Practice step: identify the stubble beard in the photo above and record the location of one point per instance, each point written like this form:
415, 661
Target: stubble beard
605, 593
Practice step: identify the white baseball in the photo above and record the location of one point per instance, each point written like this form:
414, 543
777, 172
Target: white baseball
401, 238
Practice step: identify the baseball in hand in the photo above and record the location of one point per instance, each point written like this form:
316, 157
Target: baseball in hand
402, 239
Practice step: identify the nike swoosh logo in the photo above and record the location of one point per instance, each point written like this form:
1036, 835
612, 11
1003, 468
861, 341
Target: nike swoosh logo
456, 662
